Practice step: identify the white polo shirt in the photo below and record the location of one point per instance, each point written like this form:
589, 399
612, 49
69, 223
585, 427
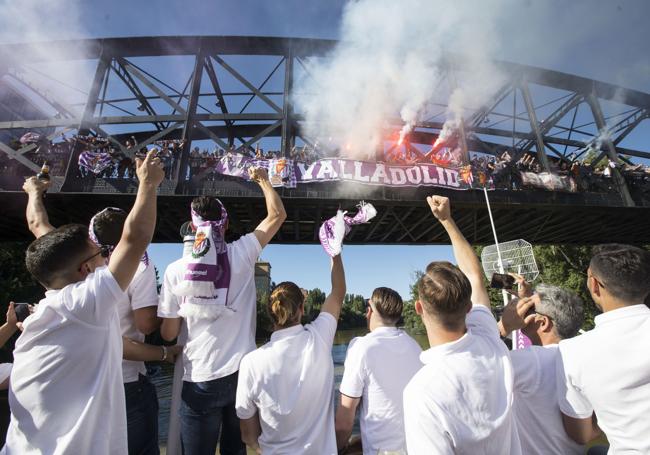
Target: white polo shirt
141, 293
214, 347
461, 399
290, 382
539, 422
66, 393
607, 371
377, 368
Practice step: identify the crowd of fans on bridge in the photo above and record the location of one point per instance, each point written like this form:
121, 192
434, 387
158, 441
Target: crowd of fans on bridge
106, 158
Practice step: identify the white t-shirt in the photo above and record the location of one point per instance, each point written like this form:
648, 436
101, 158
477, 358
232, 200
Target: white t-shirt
607, 371
539, 422
66, 393
214, 347
377, 368
141, 293
460, 402
290, 382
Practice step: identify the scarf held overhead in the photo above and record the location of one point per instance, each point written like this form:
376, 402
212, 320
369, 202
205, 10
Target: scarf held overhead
204, 287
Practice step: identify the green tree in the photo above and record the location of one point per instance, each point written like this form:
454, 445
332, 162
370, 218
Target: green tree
313, 302
411, 320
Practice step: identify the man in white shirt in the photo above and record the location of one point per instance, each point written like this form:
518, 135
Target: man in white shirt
604, 374
214, 347
65, 389
461, 399
137, 313
377, 368
286, 387
546, 317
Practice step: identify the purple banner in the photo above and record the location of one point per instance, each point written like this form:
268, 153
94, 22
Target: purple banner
288, 173
95, 162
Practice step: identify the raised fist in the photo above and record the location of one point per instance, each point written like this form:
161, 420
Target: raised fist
258, 174
36, 186
440, 207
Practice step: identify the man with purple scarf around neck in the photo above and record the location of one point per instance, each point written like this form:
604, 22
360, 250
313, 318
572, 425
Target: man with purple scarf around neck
211, 293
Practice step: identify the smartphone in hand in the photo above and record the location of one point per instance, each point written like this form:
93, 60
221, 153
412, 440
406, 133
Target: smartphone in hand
502, 281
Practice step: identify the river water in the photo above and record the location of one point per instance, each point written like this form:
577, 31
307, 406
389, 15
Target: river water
162, 376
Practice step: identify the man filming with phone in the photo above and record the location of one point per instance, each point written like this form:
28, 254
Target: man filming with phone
547, 316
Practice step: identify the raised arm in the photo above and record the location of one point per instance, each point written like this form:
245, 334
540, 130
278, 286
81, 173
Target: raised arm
275, 213
37, 219
334, 300
140, 223
463, 252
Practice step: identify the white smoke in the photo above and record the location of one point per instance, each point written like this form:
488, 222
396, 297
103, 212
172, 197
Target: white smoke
388, 65
46, 69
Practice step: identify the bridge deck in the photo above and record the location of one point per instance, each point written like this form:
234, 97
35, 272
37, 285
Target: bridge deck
403, 216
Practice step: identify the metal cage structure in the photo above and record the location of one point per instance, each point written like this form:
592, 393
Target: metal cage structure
236, 90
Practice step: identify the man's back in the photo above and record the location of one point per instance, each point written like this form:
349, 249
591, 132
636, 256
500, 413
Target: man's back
460, 402
215, 347
377, 368
289, 381
539, 422
607, 371
66, 393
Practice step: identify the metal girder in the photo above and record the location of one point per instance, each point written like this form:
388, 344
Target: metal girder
532, 117
288, 134
377, 223
153, 87
13, 154
188, 126
89, 49
262, 133
478, 117
555, 117
610, 149
101, 73
638, 117
122, 69
244, 81
212, 75
400, 223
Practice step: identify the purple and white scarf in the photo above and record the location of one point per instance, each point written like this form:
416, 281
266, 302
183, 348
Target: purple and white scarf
95, 240
333, 231
207, 270
95, 161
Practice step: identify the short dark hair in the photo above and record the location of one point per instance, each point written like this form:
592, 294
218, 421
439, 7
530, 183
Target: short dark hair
445, 293
207, 208
55, 255
623, 269
108, 226
388, 304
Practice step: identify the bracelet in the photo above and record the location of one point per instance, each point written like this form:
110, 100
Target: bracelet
164, 349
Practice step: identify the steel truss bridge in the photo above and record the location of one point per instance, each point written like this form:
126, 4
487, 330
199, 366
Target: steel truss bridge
235, 91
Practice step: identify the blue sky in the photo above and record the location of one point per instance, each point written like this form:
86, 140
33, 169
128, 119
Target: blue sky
599, 39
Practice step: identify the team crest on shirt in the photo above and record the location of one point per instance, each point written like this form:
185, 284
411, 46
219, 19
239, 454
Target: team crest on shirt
201, 245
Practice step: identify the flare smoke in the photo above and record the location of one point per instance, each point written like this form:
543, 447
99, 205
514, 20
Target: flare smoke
391, 62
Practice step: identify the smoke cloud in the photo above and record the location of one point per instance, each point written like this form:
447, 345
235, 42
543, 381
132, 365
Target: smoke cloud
390, 63
37, 21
